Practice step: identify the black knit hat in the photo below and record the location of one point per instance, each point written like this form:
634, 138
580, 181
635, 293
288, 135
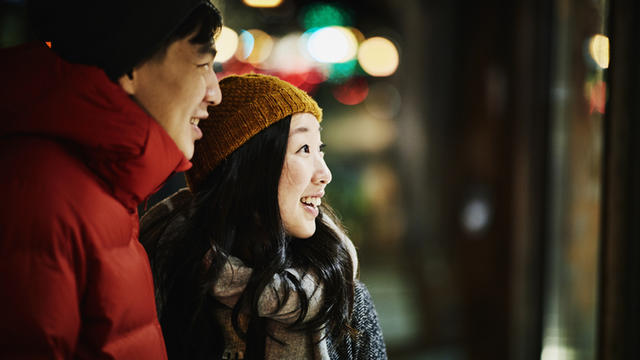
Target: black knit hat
115, 35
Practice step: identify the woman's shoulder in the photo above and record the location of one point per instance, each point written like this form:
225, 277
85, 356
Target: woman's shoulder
365, 316
166, 207
165, 219
368, 344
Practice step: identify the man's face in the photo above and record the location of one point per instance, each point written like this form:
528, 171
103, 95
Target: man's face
176, 90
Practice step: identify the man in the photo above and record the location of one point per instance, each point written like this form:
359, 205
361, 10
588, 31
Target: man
88, 130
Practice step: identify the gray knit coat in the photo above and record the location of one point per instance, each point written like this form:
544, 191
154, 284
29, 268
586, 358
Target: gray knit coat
368, 344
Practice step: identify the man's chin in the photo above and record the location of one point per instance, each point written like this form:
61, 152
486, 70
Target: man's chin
187, 151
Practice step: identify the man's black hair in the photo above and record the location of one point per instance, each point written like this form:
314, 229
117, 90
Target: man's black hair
203, 24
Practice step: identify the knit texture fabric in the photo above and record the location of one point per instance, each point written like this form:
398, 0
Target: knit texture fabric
369, 343
250, 103
165, 223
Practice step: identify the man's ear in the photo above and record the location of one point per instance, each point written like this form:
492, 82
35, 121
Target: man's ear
128, 83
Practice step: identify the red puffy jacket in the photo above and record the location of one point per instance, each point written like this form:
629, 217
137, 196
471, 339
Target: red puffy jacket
78, 155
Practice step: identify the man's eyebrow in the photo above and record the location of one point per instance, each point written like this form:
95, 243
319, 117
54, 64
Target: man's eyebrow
209, 48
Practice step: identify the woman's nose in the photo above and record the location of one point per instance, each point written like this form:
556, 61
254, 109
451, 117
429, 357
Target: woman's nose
323, 174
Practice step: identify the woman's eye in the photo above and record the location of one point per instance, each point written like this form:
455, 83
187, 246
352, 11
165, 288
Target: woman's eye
322, 147
305, 148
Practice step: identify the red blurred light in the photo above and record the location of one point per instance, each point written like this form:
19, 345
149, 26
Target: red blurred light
598, 97
295, 79
352, 92
315, 77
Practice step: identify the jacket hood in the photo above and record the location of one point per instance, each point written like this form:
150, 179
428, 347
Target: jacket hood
79, 106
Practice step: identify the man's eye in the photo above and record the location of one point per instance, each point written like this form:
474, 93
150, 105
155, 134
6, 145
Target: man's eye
205, 66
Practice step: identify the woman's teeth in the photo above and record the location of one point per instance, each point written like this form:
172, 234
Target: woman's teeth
311, 200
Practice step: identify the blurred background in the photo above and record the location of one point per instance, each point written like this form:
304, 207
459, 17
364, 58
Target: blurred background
484, 159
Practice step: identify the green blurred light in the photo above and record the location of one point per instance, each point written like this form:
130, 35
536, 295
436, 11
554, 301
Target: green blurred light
341, 72
321, 15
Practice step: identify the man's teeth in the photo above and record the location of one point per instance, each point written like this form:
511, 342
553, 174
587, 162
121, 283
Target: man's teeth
311, 200
194, 121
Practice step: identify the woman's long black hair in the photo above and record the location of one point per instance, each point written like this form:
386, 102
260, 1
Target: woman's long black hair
236, 213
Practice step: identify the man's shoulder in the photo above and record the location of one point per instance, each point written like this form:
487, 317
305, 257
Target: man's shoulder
52, 194
44, 162
50, 176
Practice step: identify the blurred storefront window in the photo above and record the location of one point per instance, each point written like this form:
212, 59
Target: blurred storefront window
577, 123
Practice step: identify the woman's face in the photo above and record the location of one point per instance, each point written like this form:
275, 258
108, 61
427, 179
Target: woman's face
304, 177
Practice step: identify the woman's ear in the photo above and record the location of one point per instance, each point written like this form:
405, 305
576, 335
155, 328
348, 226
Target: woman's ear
128, 83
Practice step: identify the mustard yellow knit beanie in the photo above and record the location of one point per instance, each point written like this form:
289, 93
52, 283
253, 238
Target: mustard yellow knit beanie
250, 103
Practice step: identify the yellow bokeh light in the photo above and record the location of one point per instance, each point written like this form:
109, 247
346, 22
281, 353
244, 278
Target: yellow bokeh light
261, 48
263, 3
226, 44
358, 34
378, 56
599, 50
254, 46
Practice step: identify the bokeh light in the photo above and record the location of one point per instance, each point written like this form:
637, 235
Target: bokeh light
384, 100
597, 95
226, 44
354, 131
320, 15
476, 215
341, 72
599, 50
381, 188
333, 44
263, 3
352, 92
289, 56
316, 76
245, 45
358, 34
261, 49
378, 56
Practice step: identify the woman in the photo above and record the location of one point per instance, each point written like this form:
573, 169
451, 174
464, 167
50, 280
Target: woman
248, 262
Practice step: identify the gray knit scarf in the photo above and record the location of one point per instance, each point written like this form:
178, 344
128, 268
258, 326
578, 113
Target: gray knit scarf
232, 282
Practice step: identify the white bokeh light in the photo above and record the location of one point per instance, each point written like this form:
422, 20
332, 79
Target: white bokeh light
599, 50
288, 57
332, 44
226, 44
476, 215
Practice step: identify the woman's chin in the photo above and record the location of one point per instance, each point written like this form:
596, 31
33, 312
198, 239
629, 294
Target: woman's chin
303, 232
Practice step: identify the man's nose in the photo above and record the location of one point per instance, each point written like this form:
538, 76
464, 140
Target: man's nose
213, 95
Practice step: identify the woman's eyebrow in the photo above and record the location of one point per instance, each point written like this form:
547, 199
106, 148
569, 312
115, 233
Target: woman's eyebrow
302, 129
